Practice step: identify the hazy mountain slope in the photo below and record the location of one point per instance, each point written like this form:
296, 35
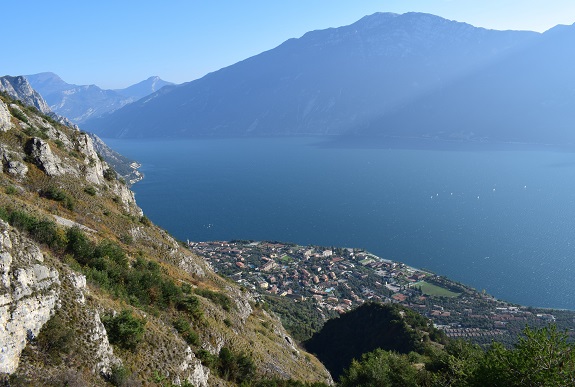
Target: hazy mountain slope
144, 88
326, 82
81, 102
48, 83
93, 293
528, 97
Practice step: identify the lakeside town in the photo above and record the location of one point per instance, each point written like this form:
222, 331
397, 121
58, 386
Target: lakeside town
337, 280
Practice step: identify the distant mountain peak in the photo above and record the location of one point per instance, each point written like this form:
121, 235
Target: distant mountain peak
81, 102
143, 88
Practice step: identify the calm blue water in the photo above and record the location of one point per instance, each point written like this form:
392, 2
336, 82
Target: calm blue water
499, 220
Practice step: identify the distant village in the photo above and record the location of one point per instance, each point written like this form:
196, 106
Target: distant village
339, 279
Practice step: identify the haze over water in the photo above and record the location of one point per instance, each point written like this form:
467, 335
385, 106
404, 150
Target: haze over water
500, 220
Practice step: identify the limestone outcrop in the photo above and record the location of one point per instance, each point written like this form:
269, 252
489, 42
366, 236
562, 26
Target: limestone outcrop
11, 162
92, 164
19, 88
39, 151
29, 293
5, 118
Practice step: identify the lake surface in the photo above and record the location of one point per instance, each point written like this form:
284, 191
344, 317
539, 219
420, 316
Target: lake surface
502, 219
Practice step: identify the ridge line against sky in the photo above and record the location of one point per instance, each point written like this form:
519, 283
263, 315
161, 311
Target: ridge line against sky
115, 44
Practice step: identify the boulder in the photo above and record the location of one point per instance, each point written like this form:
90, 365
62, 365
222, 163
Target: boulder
42, 155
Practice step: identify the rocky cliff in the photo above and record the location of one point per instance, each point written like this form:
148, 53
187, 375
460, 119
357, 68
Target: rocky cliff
20, 89
91, 292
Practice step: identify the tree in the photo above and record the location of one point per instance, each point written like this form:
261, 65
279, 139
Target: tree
124, 330
542, 357
380, 368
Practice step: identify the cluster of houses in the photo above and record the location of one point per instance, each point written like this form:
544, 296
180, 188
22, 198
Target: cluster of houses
343, 278
336, 280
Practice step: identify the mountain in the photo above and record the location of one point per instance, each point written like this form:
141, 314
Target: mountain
92, 293
527, 98
81, 102
332, 81
144, 88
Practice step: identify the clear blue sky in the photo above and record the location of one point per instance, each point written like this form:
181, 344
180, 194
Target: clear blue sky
114, 44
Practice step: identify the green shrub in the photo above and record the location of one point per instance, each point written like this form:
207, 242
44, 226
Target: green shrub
380, 368
217, 298
127, 239
184, 328
47, 232
79, 245
124, 330
145, 221
4, 214
59, 195
90, 191
19, 114
11, 190
118, 376
55, 338
111, 251
41, 230
235, 367
110, 174
207, 359
22, 220
191, 305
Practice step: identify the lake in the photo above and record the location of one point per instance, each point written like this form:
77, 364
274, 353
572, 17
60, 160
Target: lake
496, 218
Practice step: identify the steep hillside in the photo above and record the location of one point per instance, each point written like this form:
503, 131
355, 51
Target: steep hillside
92, 293
332, 81
82, 102
20, 89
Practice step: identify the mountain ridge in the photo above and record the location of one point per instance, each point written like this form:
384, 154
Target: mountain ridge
326, 82
81, 102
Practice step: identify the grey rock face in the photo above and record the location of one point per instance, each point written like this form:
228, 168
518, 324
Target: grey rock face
10, 163
104, 353
93, 166
17, 168
29, 292
5, 123
198, 374
40, 152
127, 198
19, 88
